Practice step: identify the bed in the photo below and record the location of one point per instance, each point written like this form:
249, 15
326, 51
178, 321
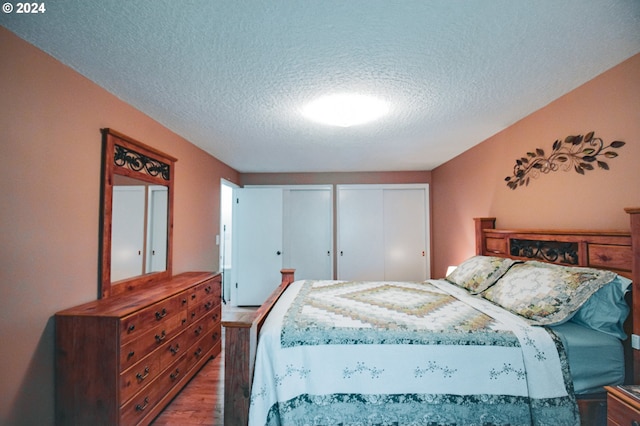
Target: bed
470, 349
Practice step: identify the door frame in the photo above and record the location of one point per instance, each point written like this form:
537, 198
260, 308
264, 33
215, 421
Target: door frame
228, 293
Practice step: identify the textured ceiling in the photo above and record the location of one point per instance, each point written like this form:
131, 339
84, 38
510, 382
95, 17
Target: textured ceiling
232, 76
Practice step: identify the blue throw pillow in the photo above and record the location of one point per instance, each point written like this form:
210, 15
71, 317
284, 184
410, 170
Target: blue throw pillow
606, 310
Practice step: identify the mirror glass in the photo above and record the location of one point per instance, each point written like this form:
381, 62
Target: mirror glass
137, 220
139, 213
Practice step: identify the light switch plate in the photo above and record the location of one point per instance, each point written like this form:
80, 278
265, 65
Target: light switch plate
635, 341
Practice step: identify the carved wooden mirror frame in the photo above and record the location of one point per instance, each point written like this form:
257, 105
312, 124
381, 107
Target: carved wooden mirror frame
124, 156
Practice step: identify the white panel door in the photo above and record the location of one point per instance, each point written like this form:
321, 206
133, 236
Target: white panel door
157, 228
258, 243
360, 234
127, 231
308, 232
405, 244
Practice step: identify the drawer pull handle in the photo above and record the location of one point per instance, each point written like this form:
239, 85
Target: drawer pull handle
175, 375
635, 423
160, 337
174, 350
198, 330
162, 314
215, 317
193, 314
198, 353
208, 289
142, 376
184, 320
130, 354
214, 336
208, 305
143, 406
193, 296
131, 328
184, 301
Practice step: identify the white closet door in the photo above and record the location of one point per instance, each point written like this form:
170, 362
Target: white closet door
405, 250
360, 234
127, 231
308, 232
157, 228
258, 244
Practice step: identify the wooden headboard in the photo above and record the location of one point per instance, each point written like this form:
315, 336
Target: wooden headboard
612, 250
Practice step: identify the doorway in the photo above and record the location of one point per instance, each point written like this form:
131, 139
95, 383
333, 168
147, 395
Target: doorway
226, 237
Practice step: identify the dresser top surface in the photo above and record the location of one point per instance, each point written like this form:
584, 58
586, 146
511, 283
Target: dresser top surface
129, 302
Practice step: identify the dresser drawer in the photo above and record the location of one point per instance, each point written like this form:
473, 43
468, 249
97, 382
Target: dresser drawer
136, 324
138, 376
199, 350
210, 304
173, 349
143, 402
213, 336
202, 348
204, 298
137, 349
620, 412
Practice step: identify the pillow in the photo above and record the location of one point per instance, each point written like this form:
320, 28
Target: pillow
606, 310
478, 273
544, 293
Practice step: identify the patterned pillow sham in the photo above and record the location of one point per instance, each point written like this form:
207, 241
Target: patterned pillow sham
546, 294
478, 273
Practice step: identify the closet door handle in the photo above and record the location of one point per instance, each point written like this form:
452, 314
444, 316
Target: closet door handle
278, 252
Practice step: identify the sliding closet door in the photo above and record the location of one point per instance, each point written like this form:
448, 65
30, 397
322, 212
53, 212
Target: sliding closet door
383, 232
257, 243
405, 234
360, 234
308, 232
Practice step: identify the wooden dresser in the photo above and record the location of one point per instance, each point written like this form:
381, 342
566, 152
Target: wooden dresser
120, 360
623, 407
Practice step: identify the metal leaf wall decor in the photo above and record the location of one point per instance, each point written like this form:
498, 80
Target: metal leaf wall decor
580, 153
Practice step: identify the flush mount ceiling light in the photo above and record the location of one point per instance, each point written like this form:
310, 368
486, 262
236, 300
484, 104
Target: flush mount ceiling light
345, 110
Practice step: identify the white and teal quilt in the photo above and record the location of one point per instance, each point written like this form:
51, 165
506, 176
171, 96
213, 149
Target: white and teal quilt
403, 353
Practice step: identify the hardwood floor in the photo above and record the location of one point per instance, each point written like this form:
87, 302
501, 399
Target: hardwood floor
201, 401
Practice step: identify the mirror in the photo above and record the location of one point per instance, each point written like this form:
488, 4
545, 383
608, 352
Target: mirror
137, 214
138, 228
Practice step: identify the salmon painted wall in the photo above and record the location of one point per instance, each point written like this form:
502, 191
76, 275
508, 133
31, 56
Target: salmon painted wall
472, 184
50, 153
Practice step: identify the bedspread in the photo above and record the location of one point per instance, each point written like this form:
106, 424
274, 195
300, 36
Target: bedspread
335, 352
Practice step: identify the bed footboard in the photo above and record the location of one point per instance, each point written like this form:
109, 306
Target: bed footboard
240, 343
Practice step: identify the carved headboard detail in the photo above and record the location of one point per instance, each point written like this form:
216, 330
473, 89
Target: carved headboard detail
596, 249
